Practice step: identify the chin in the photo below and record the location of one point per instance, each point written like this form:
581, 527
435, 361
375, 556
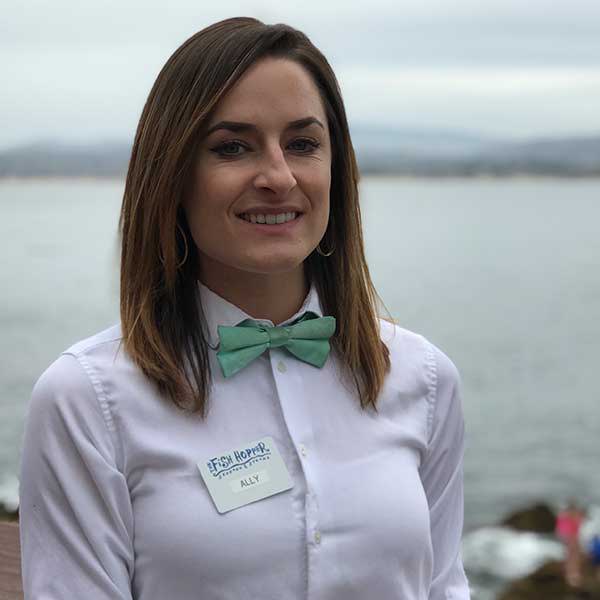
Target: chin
274, 264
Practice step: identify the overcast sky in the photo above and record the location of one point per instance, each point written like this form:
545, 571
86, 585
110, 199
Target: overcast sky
80, 70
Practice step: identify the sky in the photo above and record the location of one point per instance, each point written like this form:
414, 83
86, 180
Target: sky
80, 71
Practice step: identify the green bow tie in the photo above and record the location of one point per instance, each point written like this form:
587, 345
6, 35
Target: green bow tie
307, 338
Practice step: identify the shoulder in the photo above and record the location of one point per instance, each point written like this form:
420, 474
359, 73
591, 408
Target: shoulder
421, 366
68, 416
409, 349
105, 339
433, 380
70, 385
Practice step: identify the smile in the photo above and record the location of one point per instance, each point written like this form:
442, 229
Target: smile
269, 219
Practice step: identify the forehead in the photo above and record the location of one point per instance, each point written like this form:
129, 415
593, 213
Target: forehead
272, 91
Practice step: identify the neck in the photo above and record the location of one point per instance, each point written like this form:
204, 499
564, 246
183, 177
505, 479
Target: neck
272, 296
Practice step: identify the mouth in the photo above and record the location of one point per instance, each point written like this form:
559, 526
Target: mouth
271, 220
271, 223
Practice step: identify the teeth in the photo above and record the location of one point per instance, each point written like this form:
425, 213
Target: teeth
269, 219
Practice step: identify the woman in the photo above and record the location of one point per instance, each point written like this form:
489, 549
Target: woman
568, 525
251, 428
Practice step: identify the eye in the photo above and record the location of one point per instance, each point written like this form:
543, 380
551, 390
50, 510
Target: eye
221, 148
313, 144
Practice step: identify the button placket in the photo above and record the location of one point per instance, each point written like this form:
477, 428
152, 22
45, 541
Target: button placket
288, 387
313, 533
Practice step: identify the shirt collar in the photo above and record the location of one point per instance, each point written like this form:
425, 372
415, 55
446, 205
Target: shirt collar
219, 311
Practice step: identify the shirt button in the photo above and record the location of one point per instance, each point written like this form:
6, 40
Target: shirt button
303, 449
281, 367
318, 537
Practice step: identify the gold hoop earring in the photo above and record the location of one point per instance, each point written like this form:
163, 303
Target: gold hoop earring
325, 253
185, 255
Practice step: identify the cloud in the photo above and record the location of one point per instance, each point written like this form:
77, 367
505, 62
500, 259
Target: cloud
515, 102
83, 70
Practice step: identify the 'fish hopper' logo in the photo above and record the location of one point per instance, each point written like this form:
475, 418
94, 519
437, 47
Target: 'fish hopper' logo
219, 466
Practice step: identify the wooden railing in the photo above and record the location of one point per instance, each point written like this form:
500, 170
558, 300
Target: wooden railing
10, 562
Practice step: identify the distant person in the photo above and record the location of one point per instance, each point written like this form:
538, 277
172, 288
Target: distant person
251, 428
594, 554
568, 525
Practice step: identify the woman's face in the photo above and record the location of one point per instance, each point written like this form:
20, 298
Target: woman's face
278, 162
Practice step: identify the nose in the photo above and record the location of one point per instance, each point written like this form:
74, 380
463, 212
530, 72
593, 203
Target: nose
274, 172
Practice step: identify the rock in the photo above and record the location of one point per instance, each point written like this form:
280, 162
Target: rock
547, 583
539, 518
8, 515
10, 562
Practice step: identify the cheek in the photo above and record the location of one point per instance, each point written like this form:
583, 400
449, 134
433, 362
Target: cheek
213, 192
322, 192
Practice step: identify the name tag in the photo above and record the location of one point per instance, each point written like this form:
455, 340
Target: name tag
245, 474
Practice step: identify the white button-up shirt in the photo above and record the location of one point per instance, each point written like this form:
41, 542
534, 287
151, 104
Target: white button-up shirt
113, 506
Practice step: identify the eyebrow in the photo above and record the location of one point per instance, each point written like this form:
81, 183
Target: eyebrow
237, 126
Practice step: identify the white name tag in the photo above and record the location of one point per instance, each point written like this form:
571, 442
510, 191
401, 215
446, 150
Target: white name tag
245, 474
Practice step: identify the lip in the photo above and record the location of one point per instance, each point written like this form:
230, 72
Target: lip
272, 210
272, 229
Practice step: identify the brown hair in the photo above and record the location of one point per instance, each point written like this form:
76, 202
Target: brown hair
162, 320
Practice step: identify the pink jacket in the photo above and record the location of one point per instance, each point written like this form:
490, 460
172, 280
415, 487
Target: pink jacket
567, 525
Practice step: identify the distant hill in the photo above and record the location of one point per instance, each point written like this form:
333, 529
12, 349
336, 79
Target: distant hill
379, 150
53, 159
450, 153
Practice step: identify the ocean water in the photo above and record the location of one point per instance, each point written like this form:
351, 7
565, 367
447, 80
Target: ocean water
502, 274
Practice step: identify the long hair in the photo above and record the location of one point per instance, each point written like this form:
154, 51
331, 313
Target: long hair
162, 321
